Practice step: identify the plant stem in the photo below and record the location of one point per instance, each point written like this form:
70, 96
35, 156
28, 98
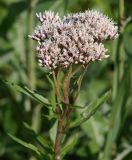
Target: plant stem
79, 83
63, 118
62, 123
118, 103
66, 85
31, 78
59, 134
31, 55
119, 52
36, 120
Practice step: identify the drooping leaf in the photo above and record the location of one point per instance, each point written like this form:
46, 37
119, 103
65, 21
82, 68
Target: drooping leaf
25, 144
43, 142
29, 93
39, 152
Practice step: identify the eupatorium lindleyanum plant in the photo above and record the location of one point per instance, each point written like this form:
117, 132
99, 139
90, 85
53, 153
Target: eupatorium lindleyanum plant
66, 47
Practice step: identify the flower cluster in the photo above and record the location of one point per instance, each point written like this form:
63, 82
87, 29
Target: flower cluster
75, 39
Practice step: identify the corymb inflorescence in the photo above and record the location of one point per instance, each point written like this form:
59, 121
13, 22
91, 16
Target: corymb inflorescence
74, 39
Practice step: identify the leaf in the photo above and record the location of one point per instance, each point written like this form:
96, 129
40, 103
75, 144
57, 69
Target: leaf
96, 128
91, 109
52, 132
40, 139
29, 93
30, 146
71, 142
118, 112
52, 94
74, 106
50, 116
25, 144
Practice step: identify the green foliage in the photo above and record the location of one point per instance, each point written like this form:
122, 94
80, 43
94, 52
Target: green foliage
29, 93
70, 144
27, 145
104, 135
90, 110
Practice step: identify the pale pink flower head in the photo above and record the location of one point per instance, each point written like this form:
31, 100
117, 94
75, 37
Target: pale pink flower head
75, 39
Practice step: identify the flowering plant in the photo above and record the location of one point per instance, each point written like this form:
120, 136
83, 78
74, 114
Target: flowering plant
66, 47
76, 39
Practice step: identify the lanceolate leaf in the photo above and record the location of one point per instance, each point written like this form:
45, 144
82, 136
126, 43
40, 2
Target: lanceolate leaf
71, 142
25, 144
39, 152
118, 113
43, 142
29, 93
91, 109
52, 132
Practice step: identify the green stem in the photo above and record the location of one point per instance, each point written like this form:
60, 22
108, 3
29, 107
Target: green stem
121, 46
36, 120
118, 104
121, 9
31, 55
119, 52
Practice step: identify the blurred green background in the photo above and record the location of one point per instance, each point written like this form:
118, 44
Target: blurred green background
108, 134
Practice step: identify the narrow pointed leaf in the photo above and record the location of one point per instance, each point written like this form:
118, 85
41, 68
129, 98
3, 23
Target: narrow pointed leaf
40, 139
53, 132
118, 113
29, 93
25, 144
71, 142
91, 109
